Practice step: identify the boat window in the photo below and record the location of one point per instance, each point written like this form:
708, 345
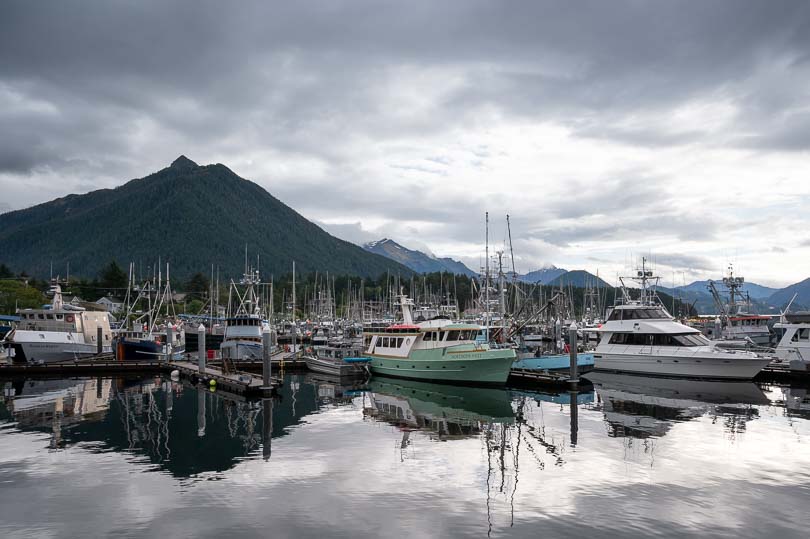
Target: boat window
618, 338
804, 334
59, 316
41, 316
686, 340
400, 341
453, 335
428, 336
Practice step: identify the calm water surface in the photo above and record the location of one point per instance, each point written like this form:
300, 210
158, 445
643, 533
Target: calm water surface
634, 457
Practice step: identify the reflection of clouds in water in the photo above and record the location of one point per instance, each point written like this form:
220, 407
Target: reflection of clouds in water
338, 473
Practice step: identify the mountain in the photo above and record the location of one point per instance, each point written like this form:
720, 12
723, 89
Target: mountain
754, 290
416, 260
188, 215
782, 297
543, 275
578, 279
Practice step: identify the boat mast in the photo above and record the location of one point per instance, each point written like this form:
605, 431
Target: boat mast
294, 328
486, 278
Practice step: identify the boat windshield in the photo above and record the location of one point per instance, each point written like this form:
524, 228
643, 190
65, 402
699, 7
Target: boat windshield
659, 339
639, 314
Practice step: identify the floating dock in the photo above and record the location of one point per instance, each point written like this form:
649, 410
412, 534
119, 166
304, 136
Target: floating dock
535, 377
241, 383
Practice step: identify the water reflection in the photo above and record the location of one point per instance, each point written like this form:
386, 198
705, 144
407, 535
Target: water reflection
641, 406
183, 429
445, 412
400, 458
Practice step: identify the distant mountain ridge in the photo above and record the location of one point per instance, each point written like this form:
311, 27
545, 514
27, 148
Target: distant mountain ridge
578, 279
188, 215
754, 290
543, 275
416, 260
781, 298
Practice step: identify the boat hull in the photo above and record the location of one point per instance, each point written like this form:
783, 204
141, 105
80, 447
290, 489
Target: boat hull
490, 367
333, 368
553, 362
721, 367
53, 348
143, 350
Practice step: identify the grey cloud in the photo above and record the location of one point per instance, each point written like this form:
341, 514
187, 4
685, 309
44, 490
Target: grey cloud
683, 261
99, 92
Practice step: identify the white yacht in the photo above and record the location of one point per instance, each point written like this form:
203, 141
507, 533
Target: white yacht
62, 332
640, 336
794, 346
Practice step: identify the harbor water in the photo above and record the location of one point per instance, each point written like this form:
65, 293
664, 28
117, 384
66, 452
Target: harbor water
149, 457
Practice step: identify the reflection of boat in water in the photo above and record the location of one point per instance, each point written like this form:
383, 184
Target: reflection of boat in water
333, 389
642, 406
449, 410
55, 404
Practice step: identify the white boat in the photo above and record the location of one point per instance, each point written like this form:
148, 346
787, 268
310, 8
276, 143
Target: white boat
794, 346
243, 329
640, 336
336, 361
62, 332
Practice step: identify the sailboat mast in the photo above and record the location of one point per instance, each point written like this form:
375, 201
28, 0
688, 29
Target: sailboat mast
486, 279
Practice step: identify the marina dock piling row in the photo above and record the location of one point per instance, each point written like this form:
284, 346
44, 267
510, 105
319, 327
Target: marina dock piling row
201, 348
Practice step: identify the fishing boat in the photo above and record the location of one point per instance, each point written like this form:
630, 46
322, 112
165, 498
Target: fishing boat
336, 361
437, 350
154, 334
735, 326
58, 332
244, 327
640, 336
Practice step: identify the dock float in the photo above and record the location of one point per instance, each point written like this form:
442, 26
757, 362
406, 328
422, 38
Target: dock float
240, 383
96, 365
524, 377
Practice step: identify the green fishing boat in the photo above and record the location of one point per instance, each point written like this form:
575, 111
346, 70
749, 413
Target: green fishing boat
437, 350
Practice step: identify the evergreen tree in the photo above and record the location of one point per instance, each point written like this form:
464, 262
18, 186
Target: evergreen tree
112, 278
198, 286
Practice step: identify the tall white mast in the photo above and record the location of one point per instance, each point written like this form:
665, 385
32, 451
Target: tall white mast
486, 281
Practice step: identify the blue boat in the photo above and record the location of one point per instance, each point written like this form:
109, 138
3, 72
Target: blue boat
553, 362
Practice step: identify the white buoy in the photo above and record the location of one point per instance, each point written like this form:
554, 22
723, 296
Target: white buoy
175, 374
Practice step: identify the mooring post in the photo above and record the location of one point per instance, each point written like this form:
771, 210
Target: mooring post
572, 345
99, 340
267, 349
201, 348
169, 341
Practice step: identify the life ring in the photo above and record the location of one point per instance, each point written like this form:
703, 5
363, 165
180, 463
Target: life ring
69, 318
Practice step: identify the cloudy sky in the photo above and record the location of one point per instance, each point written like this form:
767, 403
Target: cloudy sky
606, 130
